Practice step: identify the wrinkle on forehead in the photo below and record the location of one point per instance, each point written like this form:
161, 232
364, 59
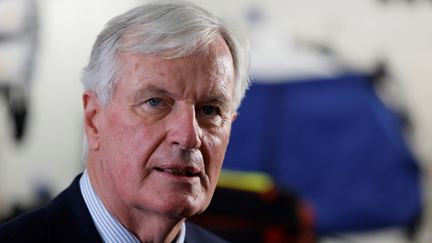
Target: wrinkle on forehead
213, 70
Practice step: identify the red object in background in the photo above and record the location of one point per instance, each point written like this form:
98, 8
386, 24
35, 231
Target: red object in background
270, 217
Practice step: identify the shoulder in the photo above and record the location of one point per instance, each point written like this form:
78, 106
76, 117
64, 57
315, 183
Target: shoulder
30, 227
196, 234
65, 219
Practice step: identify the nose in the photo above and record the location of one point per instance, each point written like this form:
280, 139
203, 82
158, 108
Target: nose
184, 130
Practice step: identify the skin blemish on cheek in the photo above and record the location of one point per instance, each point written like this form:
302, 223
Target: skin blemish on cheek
136, 66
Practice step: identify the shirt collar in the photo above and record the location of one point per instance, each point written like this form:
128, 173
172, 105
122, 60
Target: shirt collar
108, 227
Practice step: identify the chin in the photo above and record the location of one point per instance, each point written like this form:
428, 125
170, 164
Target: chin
183, 207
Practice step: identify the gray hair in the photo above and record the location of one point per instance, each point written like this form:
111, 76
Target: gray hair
169, 29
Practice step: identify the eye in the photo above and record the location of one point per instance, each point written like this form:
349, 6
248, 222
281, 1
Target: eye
209, 110
153, 102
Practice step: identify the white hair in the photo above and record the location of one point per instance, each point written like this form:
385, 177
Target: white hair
169, 29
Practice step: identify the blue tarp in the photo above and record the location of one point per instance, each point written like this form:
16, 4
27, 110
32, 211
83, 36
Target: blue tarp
336, 144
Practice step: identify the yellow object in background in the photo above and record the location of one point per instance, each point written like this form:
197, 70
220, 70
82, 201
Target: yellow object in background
249, 181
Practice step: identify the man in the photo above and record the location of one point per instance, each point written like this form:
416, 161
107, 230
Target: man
162, 88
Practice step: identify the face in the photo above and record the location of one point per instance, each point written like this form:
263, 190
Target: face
159, 145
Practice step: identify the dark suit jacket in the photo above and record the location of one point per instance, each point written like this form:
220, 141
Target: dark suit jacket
67, 219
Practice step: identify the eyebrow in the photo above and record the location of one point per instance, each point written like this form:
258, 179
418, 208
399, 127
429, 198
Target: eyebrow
217, 96
152, 89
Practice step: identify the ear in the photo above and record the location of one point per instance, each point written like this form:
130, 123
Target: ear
234, 116
92, 110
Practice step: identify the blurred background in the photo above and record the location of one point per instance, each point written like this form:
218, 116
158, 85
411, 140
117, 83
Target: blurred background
333, 139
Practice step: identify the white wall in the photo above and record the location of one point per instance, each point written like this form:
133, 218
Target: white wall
361, 31
51, 152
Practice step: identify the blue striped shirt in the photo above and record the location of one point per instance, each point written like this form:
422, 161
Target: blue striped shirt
108, 227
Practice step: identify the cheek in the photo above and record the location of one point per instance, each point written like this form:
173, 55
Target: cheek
128, 144
128, 155
215, 151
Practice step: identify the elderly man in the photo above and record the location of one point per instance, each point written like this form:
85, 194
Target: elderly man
162, 88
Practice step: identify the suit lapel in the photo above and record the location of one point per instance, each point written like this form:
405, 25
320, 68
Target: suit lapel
69, 219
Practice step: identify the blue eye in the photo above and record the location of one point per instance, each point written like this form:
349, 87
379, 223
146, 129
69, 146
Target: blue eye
153, 102
209, 110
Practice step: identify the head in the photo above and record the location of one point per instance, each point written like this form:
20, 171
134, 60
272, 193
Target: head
169, 29
162, 87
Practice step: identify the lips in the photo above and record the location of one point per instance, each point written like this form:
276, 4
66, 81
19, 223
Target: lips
188, 171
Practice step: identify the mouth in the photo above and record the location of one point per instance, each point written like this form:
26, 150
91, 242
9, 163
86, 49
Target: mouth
186, 172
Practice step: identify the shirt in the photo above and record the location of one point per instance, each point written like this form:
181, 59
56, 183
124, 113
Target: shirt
108, 227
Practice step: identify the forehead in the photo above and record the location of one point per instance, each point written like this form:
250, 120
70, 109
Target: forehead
210, 71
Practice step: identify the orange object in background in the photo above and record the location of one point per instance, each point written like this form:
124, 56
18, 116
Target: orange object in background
265, 217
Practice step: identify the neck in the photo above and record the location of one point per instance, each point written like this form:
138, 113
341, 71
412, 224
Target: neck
155, 229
